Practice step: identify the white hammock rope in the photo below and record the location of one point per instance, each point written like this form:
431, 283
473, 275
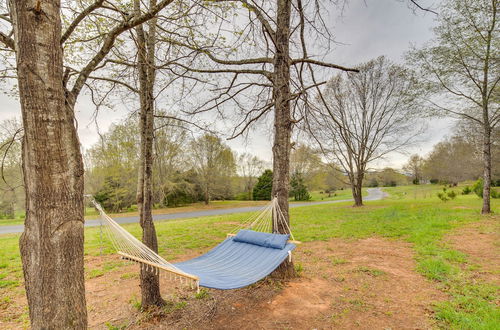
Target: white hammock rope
130, 248
266, 220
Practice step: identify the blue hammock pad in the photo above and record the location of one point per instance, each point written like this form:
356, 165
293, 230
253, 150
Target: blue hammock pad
233, 264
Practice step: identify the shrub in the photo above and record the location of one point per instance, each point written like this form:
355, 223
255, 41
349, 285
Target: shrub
434, 181
446, 196
442, 196
452, 194
494, 194
242, 196
478, 188
466, 190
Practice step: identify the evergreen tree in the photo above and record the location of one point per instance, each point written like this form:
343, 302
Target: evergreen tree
262, 190
298, 188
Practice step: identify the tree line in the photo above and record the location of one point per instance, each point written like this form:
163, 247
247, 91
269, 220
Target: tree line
456, 159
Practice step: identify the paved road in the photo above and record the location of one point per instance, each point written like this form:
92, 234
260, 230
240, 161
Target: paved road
373, 194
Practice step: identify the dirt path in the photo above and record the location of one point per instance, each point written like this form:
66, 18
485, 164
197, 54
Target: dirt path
480, 241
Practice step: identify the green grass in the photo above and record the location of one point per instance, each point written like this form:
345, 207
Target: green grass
334, 196
91, 213
412, 213
370, 271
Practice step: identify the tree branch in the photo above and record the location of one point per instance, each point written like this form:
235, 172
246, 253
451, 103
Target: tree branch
423, 8
8, 41
327, 65
108, 45
80, 18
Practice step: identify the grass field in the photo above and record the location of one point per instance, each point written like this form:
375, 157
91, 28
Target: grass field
91, 213
412, 213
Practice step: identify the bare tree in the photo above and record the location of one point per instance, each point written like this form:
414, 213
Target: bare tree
11, 178
270, 75
414, 167
461, 69
128, 74
214, 164
52, 242
249, 168
364, 116
452, 161
146, 44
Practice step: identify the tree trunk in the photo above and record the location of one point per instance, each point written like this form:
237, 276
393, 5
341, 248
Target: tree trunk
52, 242
356, 194
207, 195
357, 191
150, 284
487, 168
282, 124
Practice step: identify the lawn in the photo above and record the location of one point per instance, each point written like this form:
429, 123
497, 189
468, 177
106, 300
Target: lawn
412, 214
91, 213
317, 196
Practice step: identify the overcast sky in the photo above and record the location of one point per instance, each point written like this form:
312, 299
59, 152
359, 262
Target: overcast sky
367, 29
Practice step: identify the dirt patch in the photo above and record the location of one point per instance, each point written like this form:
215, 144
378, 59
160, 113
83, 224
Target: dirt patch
481, 242
366, 284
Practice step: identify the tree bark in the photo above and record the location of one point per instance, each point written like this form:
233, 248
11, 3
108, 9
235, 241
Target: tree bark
356, 194
282, 124
357, 189
52, 242
150, 283
487, 168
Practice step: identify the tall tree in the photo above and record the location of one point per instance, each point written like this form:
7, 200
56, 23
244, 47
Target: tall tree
414, 167
214, 164
461, 68
274, 66
146, 44
249, 167
306, 161
52, 242
363, 116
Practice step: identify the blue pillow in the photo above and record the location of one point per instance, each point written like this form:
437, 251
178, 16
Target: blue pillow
275, 241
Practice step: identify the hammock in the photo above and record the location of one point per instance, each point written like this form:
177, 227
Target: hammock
250, 253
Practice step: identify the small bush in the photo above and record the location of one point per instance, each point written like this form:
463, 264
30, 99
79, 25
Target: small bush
466, 190
494, 194
243, 196
478, 188
443, 195
452, 194
132, 208
202, 294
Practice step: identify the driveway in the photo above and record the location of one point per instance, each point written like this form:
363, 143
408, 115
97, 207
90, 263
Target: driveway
373, 194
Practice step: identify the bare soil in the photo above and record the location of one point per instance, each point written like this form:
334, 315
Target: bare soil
481, 242
365, 284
